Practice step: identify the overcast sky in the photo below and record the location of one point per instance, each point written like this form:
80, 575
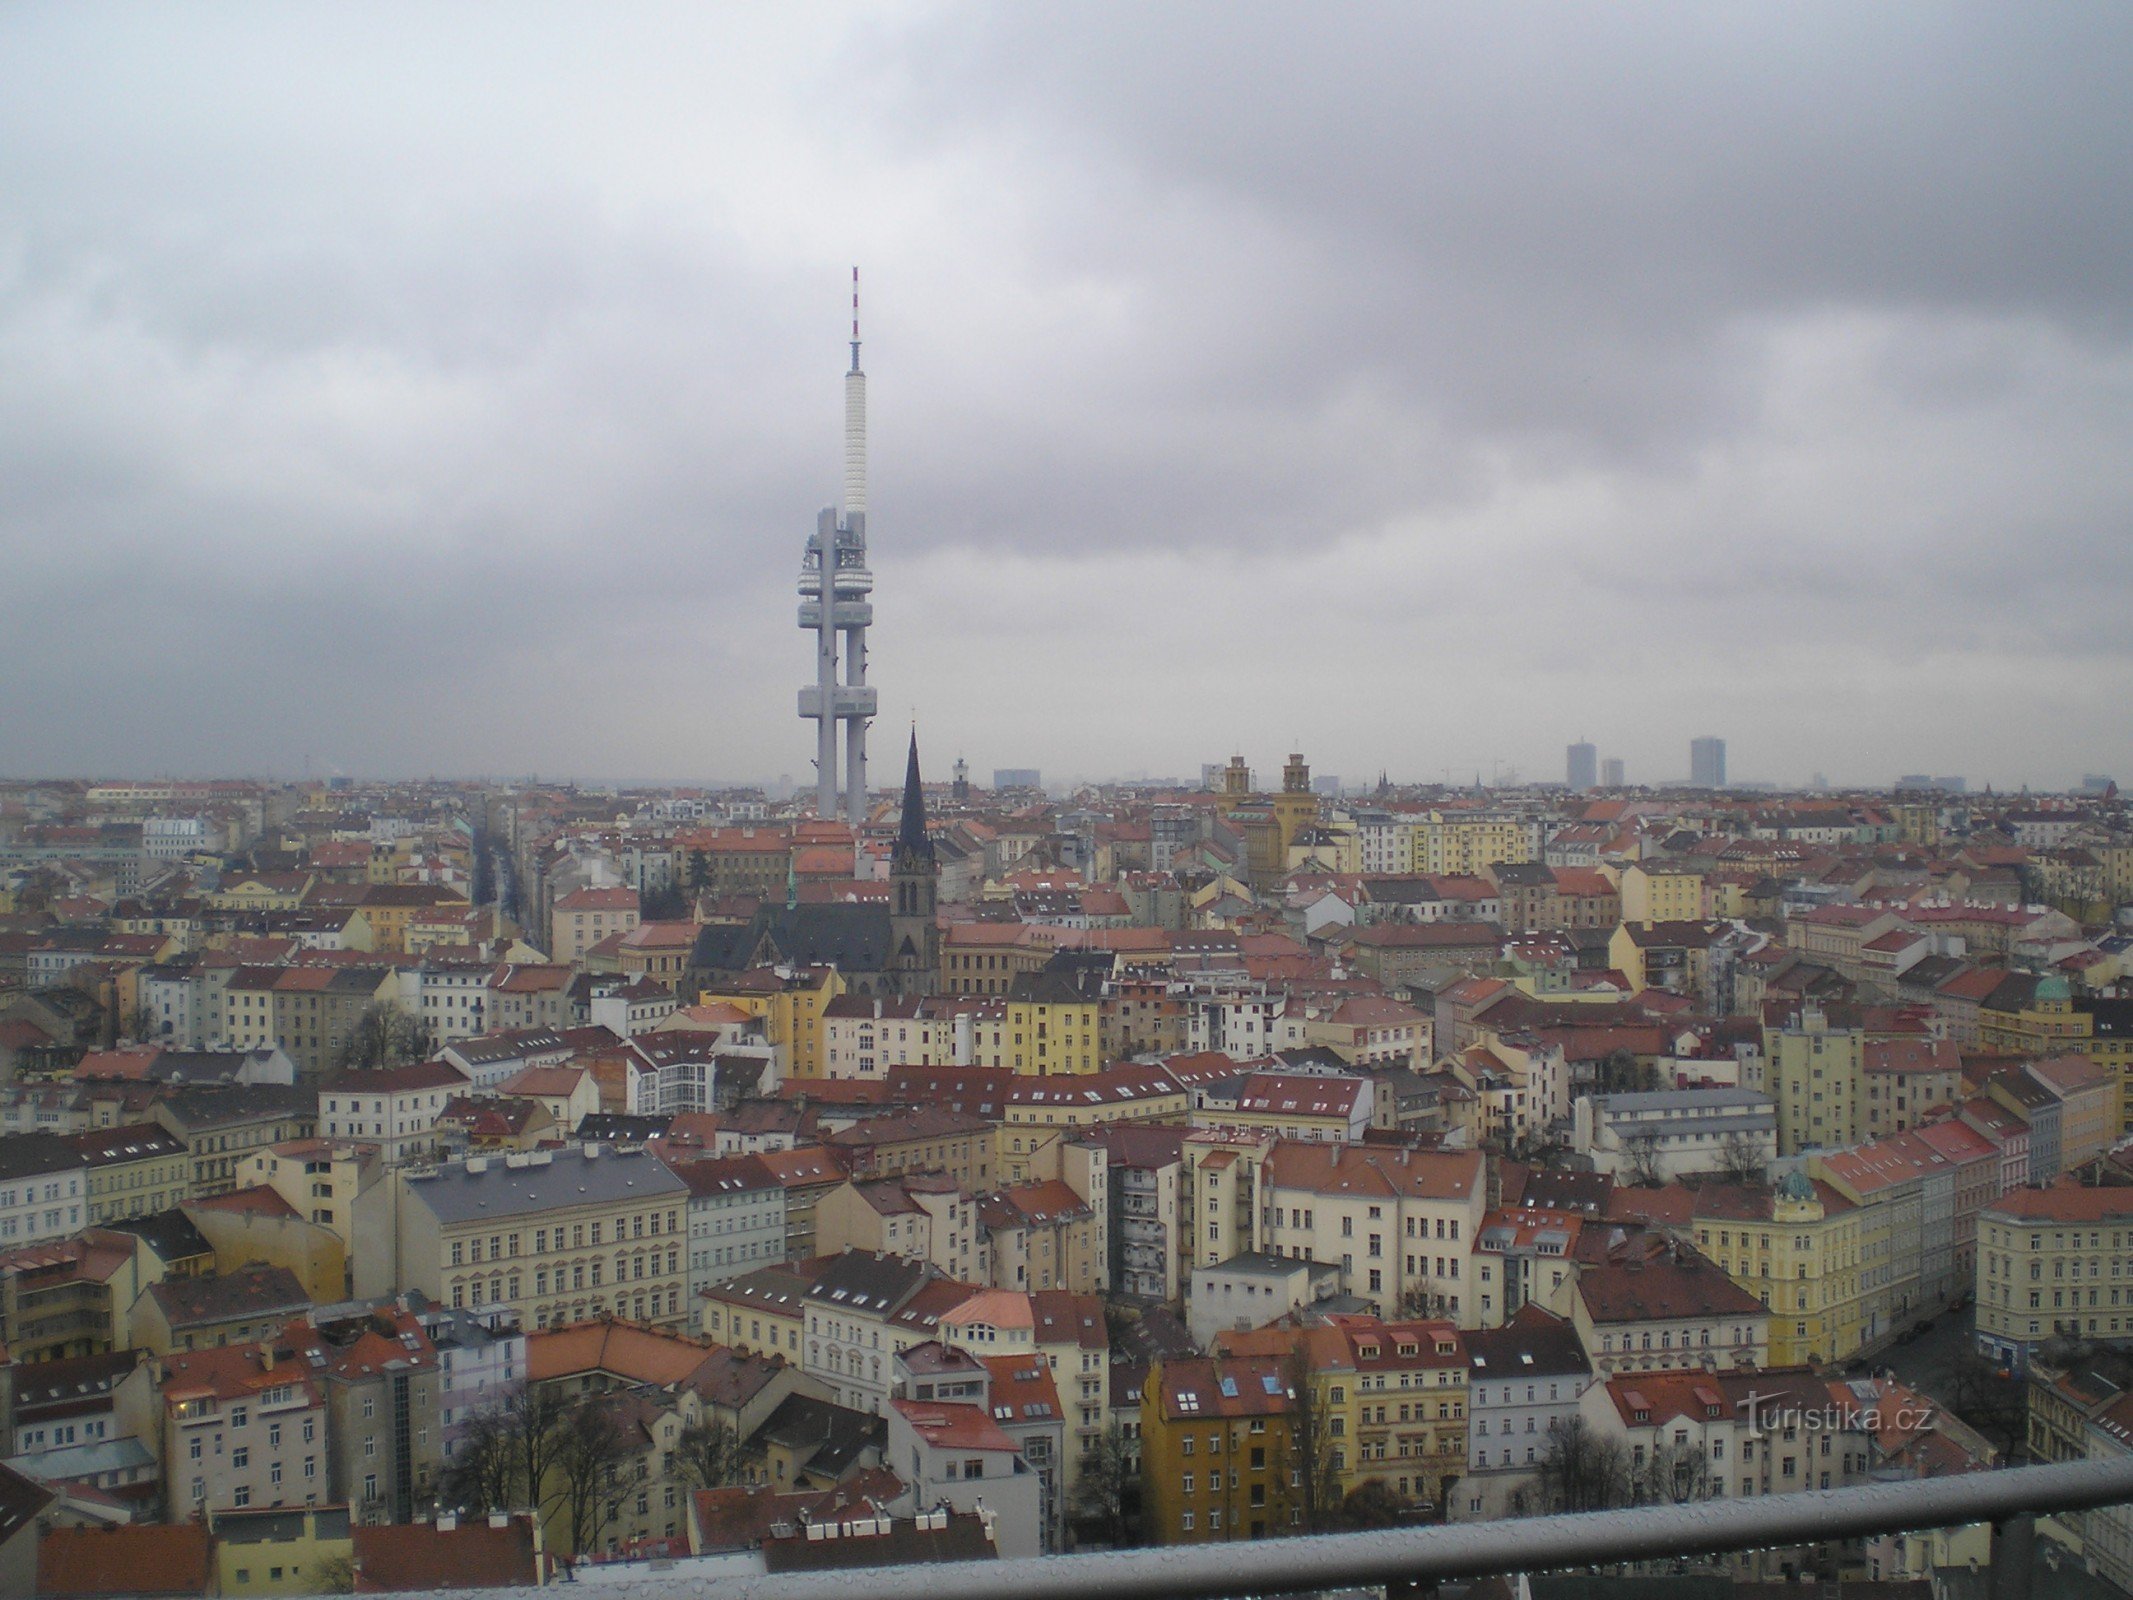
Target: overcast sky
452, 388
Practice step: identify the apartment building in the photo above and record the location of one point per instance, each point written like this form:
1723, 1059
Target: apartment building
2052, 1261
1523, 1379
1396, 1220
383, 1382
233, 1427
1218, 1453
394, 1108
557, 1236
736, 1219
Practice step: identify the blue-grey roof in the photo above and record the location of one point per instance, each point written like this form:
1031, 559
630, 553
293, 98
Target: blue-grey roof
495, 1187
1684, 1099
83, 1460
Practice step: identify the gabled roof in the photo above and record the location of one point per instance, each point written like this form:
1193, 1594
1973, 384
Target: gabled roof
1532, 1343
411, 1078
1679, 1286
1371, 1170
21, 1499
2065, 1202
626, 1350
252, 1290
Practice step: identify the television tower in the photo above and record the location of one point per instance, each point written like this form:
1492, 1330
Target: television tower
834, 586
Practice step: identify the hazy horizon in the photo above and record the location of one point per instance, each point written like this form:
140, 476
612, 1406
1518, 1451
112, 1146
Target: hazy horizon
419, 389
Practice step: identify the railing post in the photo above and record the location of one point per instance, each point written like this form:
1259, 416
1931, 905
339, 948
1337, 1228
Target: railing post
2014, 1550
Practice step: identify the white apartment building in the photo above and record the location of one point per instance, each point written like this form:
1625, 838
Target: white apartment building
394, 1108
1396, 1221
43, 1188
1670, 1133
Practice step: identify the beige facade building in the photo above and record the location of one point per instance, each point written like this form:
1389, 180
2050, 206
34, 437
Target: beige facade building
558, 1236
920, 1216
1394, 1220
394, 1108
2051, 1261
233, 1427
584, 917
1045, 1236
133, 1171
319, 1178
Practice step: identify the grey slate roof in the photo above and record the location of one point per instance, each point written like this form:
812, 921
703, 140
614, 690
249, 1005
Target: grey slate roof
851, 938
170, 1234
24, 1155
1695, 1102
495, 1189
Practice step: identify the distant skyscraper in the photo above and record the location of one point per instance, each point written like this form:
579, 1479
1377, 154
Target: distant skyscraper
834, 589
1614, 774
1583, 766
1707, 763
1017, 778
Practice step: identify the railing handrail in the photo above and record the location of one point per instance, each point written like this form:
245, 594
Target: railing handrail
1459, 1550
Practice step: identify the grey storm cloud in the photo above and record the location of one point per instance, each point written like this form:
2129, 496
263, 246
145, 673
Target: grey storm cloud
450, 389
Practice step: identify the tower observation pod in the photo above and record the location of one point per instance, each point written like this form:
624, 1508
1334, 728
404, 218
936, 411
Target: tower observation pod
835, 603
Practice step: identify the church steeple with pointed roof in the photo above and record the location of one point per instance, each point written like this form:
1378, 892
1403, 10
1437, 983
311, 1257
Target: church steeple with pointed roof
911, 836
914, 893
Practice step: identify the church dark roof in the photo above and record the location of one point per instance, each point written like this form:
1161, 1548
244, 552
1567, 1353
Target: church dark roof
851, 938
911, 838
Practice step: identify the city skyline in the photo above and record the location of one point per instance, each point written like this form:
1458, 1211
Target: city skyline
355, 410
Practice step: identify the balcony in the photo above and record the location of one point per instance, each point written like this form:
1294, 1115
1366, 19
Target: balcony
1413, 1559
844, 702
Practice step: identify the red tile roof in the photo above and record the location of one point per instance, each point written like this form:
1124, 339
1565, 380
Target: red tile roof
953, 1427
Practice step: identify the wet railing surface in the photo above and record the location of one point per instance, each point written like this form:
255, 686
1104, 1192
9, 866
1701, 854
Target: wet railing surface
2006, 1499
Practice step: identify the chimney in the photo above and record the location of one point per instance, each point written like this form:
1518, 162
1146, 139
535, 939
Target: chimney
499, 1519
447, 1521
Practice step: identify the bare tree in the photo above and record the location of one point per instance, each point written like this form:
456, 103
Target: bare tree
708, 1455
1640, 1158
1740, 1159
1426, 1297
383, 1036
534, 1422
1371, 1505
596, 1469
481, 1475
1100, 1491
1581, 1470
1620, 1072
1315, 1451
1673, 1475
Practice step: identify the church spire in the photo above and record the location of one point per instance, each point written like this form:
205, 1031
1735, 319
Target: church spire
911, 839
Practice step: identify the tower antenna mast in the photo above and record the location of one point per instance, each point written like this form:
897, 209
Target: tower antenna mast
835, 605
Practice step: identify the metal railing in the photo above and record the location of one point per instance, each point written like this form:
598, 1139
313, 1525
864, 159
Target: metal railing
2008, 1500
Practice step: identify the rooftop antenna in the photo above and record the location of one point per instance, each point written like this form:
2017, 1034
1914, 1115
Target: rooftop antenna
855, 426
